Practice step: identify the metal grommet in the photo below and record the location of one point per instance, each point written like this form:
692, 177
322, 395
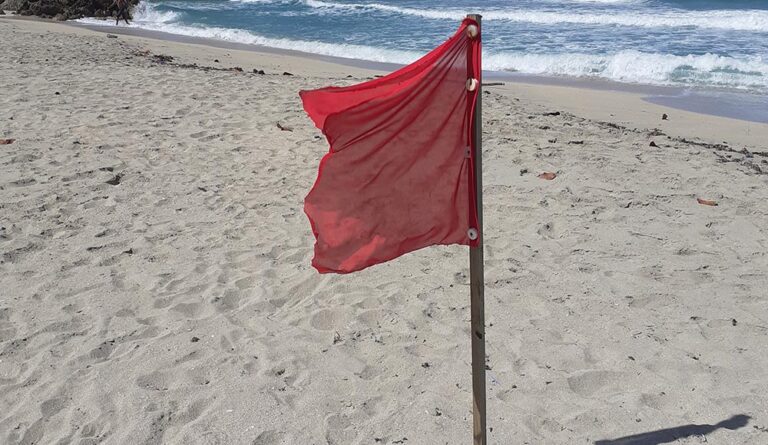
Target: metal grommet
471, 84
472, 233
471, 31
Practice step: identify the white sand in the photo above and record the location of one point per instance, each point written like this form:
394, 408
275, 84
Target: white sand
178, 306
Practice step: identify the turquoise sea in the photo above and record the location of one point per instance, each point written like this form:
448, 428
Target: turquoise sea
710, 44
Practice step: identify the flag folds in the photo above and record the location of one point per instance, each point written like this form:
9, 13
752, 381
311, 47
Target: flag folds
399, 175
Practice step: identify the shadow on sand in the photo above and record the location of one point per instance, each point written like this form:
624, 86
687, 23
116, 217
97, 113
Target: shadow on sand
669, 435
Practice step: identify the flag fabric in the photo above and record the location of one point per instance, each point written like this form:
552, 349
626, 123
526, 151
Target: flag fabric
399, 175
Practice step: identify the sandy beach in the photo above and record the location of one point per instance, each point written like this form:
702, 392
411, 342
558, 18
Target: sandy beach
156, 288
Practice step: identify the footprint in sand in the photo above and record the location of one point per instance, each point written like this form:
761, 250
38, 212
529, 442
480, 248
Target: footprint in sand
269, 437
189, 310
327, 319
155, 381
339, 430
369, 372
590, 382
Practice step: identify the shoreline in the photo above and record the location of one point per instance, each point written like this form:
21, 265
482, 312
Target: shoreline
631, 106
725, 102
721, 102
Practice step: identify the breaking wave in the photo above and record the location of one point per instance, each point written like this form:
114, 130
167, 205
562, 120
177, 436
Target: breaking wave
639, 67
147, 17
752, 20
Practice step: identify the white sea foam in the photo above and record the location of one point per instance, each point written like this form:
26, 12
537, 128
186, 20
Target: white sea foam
200, 6
147, 13
253, 1
599, 2
638, 67
605, 1
749, 20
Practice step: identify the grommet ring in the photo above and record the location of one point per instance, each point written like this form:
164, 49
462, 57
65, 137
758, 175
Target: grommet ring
472, 31
472, 233
472, 84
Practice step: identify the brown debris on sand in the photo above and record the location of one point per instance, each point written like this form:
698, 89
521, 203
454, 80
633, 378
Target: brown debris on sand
547, 176
162, 58
707, 202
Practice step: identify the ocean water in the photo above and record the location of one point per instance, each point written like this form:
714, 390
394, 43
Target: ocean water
698, 44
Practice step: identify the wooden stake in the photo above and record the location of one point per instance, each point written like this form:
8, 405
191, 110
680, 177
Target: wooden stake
476, 279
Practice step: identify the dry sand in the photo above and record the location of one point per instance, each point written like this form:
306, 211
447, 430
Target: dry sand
155, 283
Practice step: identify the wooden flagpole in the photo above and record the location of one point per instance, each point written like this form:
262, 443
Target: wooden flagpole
476, 277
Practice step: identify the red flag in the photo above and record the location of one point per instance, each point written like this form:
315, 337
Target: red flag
399, 175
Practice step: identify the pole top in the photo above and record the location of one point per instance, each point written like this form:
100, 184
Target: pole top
475, 17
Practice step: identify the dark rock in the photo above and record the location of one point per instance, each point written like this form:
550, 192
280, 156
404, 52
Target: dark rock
13, 5
64, 9
286, 73
216, 60
552, 113
115, 180
652, 144
111, 36
664, 117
